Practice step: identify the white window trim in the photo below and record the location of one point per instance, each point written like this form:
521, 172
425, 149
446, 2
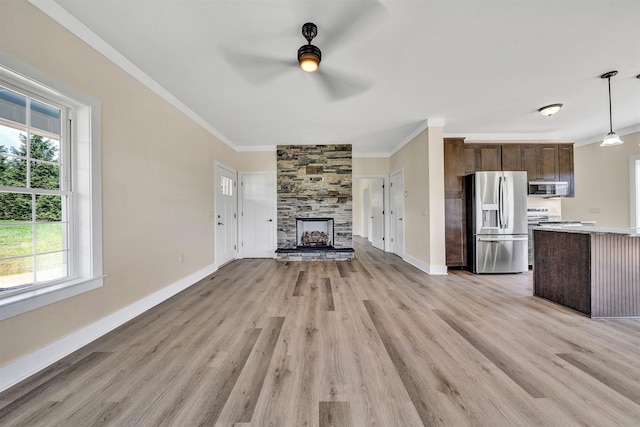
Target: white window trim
634, 191
86, 153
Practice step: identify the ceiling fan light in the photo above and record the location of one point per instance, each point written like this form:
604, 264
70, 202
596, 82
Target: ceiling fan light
611, 139
550, 110
309, 58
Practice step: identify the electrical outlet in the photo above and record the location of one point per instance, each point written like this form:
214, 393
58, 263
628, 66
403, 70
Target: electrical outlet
181, 258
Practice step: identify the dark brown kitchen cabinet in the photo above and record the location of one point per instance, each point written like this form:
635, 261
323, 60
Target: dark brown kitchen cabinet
565, 166
457, 160
481, 157
511, 157
542, 162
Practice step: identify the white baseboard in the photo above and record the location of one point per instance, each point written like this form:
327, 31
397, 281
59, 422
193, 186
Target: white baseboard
22, 368
429, 269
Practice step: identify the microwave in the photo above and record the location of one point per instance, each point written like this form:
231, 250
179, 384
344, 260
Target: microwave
548, 189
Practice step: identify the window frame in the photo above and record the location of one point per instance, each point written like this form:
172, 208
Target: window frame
64, 190
85, 182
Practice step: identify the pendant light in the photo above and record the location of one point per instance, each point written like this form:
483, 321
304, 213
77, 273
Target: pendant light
612, 138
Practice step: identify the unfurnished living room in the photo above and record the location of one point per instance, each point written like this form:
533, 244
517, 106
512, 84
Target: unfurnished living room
319, 213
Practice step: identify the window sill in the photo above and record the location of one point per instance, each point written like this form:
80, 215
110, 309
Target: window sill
30, 300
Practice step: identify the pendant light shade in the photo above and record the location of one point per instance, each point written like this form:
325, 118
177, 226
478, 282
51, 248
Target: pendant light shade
611, 138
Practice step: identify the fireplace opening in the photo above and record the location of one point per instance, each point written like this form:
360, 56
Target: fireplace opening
314, 232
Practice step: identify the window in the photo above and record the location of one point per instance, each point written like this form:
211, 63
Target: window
226, 186
50, 197
34, 200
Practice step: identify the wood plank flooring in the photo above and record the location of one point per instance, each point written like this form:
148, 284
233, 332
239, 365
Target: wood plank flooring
372, 342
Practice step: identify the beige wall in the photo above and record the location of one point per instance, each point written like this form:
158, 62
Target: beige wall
363, 166
602, 183
257, 161
158, 171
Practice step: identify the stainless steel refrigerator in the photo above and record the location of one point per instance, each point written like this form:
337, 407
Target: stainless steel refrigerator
497, 234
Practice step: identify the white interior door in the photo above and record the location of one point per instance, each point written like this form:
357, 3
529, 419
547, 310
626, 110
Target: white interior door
226, 214
377, 215
258, 215
366, 220
396, 196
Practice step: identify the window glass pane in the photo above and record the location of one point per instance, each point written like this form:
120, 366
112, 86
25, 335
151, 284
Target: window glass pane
48, 208
12, 139
51, 266
43, 148
13, 172
49, 237
15, 207
45, 117
15, 239
16, 273
45, 175
13, 106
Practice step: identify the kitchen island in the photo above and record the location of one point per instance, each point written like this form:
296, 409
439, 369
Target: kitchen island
593, 270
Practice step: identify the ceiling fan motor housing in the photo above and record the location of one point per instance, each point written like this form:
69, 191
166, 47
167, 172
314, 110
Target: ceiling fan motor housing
309, 51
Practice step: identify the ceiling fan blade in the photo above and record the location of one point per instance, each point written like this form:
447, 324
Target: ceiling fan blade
354, 18
339, 85
258, 69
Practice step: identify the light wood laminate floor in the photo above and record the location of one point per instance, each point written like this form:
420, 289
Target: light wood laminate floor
373, 342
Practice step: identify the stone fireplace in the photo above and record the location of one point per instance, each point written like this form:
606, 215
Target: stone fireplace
314, 197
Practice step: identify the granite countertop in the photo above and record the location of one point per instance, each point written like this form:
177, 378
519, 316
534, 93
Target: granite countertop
586, 229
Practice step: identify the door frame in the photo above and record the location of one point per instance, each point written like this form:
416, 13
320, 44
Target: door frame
392, 235
217, 166
241, 176
385, 203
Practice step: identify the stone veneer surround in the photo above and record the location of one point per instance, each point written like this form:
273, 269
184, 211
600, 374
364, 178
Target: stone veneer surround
315, 181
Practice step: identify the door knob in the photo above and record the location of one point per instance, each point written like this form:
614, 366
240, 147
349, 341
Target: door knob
220, 223
270, 220
399, 219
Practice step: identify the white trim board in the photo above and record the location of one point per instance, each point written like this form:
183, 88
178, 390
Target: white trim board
432, 270
22, 368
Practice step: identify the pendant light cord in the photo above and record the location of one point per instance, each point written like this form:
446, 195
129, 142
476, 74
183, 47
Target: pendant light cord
610, 120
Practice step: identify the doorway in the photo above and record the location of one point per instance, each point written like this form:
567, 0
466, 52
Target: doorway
225, 201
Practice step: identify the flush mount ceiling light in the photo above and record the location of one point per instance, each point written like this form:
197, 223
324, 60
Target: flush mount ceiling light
309, 55
550, 110
611, 138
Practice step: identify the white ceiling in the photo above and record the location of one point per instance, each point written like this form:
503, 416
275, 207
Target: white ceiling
483, 67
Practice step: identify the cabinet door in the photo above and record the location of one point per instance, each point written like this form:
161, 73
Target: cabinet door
529, 158
540, 161
455, 233
489, 157
565, 165
511, 157
452, 166
548, 163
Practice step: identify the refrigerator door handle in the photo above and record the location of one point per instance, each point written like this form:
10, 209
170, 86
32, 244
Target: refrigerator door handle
502, 238
500, 201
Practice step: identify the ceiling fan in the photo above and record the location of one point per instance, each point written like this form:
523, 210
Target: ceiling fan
259, 68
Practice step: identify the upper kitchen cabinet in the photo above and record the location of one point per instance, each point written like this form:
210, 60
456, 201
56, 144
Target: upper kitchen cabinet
548, 162
482, 157
565, 165
540, 161
511, 157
